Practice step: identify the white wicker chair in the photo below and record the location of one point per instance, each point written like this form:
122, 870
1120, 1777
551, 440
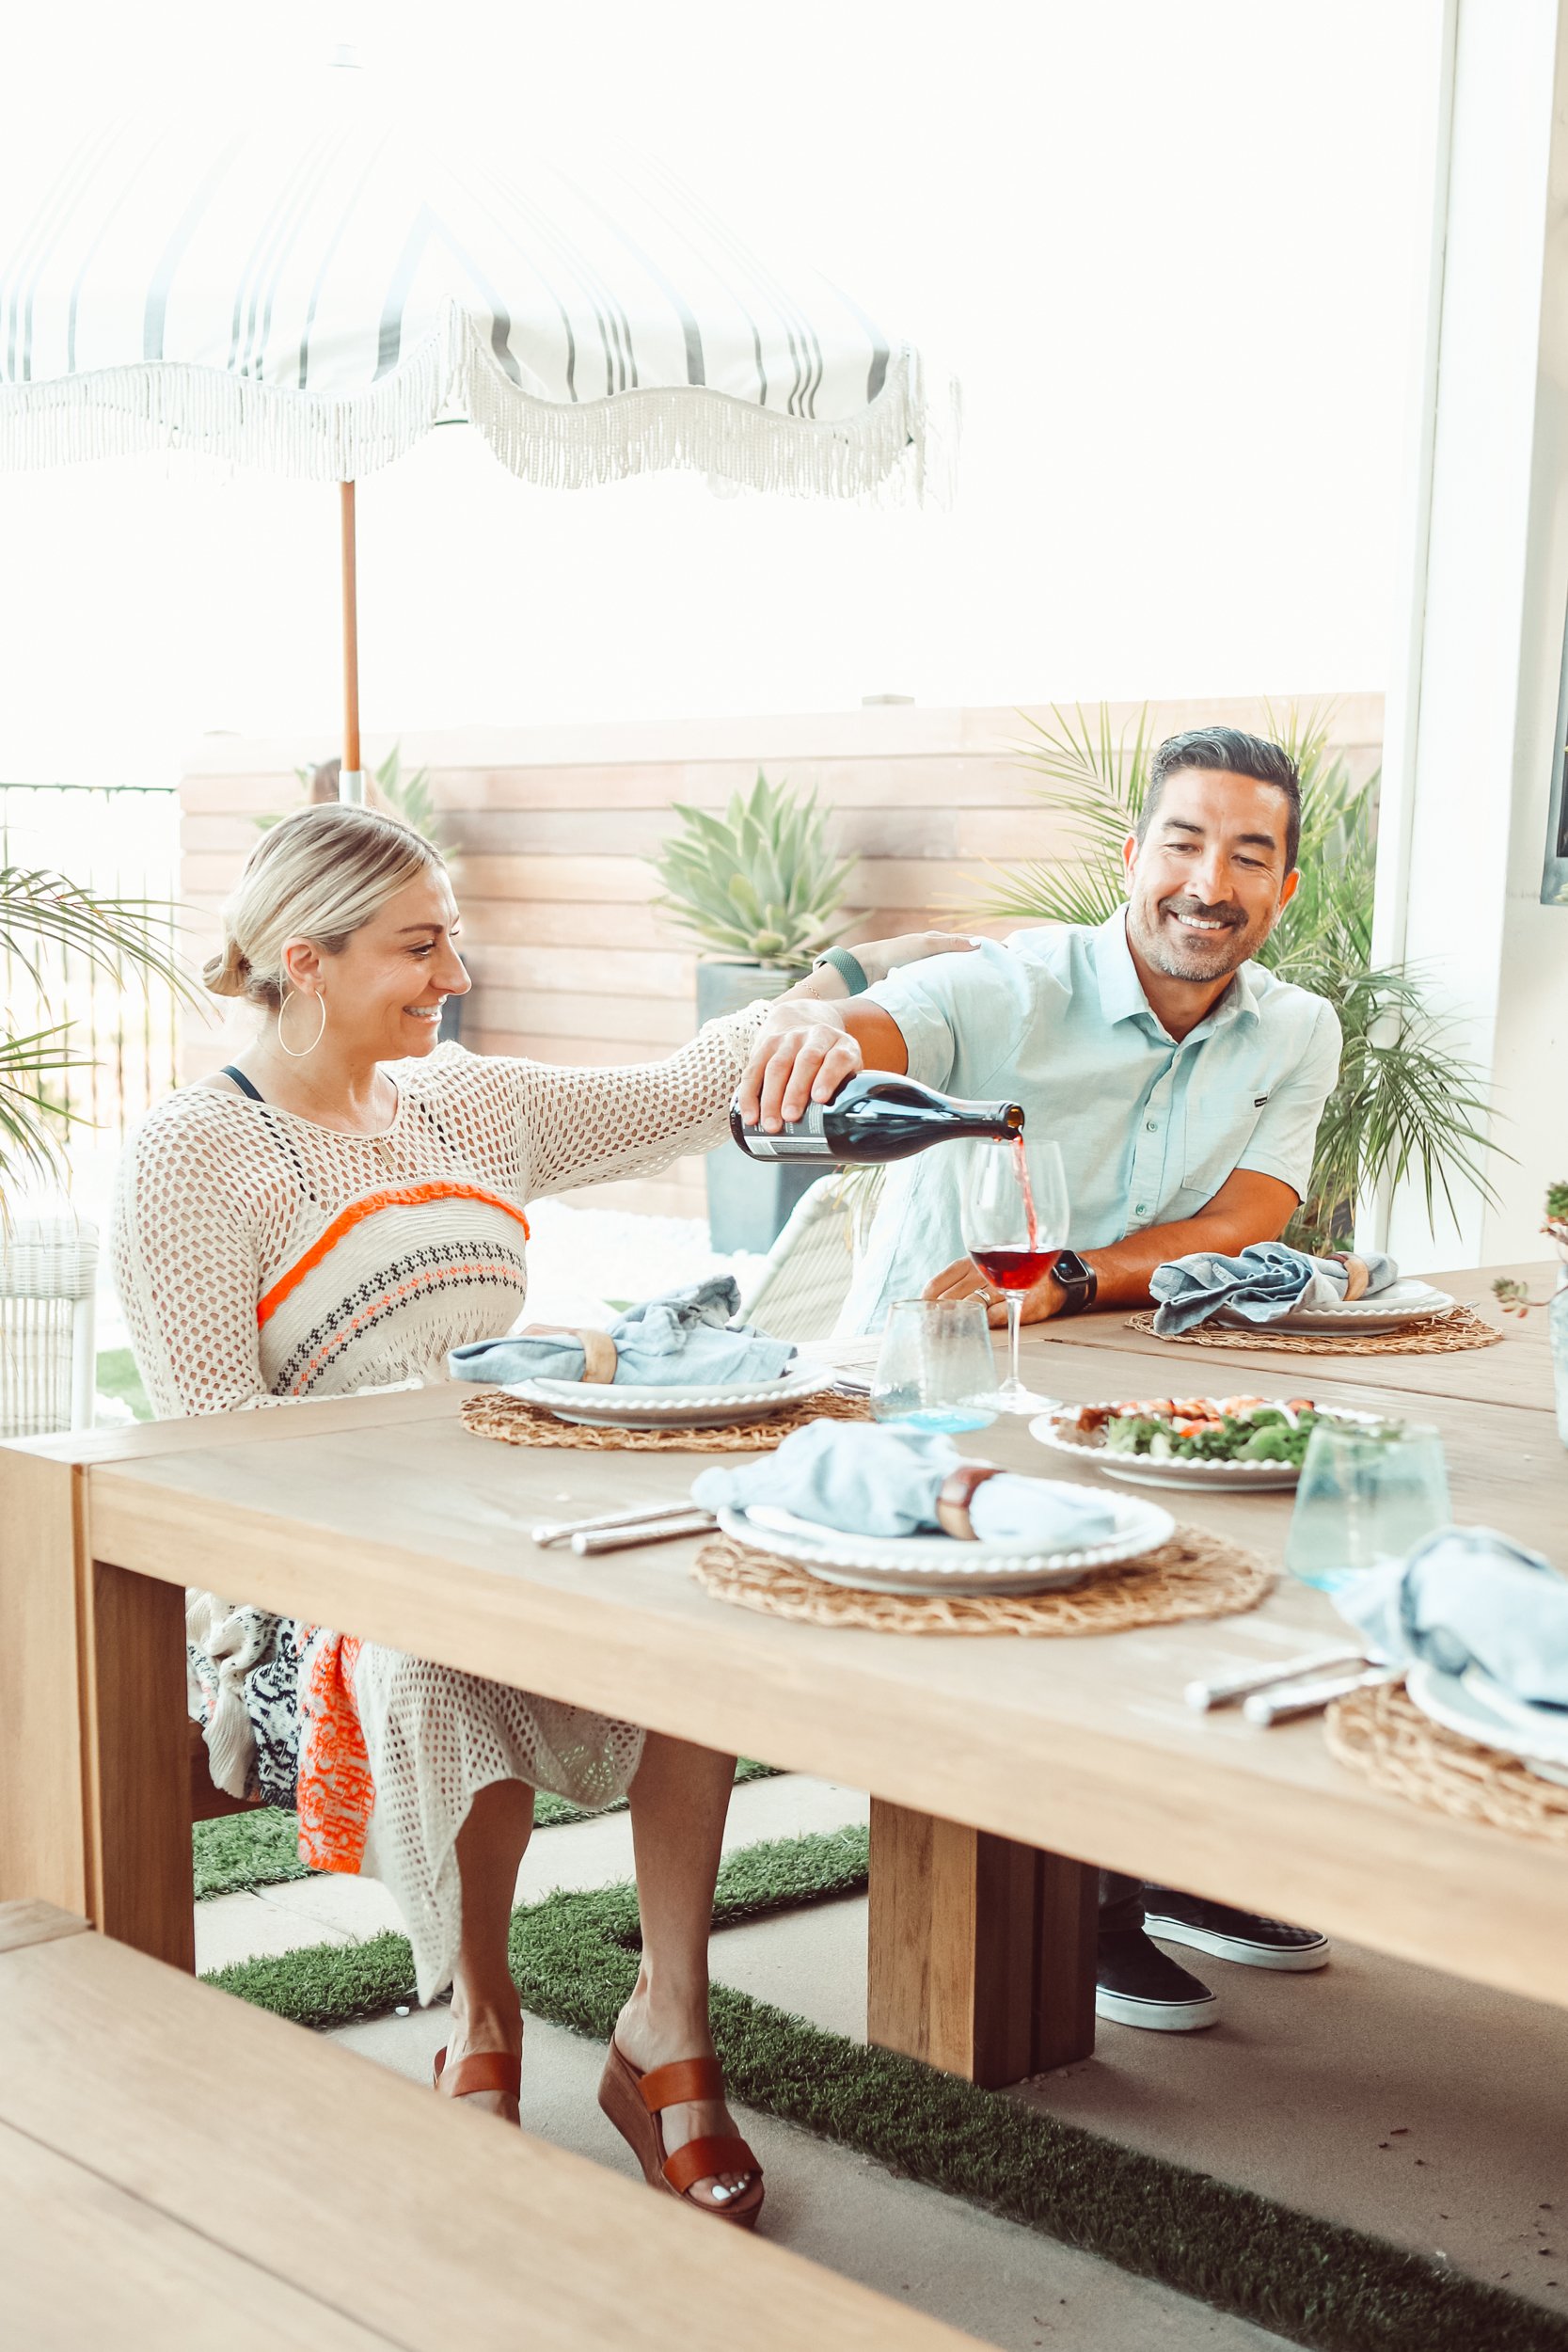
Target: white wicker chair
48, 1325
806, 1274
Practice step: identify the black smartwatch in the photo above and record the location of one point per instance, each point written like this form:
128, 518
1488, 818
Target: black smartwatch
1076, 1281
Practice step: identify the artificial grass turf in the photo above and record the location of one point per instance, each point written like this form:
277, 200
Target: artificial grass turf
1318, 2282
117, 1376
239, 1852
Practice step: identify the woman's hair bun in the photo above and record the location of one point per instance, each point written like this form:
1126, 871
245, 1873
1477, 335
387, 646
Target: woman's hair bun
227, 973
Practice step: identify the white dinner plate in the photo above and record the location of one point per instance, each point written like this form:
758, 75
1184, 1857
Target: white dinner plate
624, 1404
943, 1564
1471, 1705
1400, 1303
1139, 1469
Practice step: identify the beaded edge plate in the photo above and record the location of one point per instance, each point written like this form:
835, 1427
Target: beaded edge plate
1454, 1702
1139, 1469
941, 1564
1417, 1302
628, 1406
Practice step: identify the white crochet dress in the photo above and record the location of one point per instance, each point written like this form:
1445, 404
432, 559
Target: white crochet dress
261, 1258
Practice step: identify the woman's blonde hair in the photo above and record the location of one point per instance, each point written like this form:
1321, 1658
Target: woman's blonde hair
317, 876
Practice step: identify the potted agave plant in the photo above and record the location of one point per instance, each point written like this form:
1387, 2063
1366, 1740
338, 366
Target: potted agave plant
760, 888
1515, 1300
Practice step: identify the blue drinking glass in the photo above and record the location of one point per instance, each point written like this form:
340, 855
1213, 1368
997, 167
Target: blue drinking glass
1366, 1495
935, 1366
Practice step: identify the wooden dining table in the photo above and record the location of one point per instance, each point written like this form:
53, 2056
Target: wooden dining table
1003, 1771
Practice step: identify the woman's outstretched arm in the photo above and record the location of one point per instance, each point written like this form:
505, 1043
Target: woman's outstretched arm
591, 1126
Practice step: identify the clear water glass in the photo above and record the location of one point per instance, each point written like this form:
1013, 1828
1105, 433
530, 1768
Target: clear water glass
934, 1367
1367, 1496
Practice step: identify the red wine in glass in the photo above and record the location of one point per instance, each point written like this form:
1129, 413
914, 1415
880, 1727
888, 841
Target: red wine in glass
1015, 1270
1014, 1211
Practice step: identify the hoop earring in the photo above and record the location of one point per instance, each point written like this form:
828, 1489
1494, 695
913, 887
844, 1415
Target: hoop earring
300, 1052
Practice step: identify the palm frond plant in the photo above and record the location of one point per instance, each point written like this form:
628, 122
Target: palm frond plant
760, 882
43, 915
1404, 1105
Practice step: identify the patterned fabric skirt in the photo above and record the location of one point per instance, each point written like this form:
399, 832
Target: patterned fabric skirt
382, 1754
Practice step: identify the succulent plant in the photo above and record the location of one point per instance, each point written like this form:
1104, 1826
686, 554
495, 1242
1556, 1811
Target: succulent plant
1515, 1296
760, 882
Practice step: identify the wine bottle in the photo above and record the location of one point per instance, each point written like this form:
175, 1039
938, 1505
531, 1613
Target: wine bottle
874, 1116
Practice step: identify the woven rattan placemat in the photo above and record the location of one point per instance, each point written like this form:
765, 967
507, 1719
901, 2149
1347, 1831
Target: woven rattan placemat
1444, 1335
494, 1414
1384, 1736
1194, 1575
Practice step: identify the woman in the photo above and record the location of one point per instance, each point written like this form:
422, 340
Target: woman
333, 1212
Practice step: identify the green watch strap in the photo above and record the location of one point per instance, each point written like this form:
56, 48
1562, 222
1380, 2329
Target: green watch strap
848, 970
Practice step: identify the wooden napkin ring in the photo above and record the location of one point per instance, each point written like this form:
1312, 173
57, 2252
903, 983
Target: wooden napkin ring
1357, 1273
600, 1354
952, 1502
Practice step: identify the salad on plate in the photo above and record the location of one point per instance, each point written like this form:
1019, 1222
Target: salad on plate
1203, 1428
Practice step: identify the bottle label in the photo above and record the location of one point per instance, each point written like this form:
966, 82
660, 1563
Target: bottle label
802, 1140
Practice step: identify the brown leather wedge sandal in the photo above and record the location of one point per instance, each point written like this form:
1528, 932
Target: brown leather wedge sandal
634, 2102
486, 2070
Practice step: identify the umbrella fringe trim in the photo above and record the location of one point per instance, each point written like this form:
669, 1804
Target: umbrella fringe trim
895, 443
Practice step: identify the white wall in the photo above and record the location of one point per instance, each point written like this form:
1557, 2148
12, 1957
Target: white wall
1472, 720
1169, 248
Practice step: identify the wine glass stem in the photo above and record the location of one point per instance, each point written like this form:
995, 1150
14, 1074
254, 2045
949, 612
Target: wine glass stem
1015, 1318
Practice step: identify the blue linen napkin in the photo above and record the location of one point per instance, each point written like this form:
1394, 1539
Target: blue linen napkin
678, 1340
1264, 1284
1467, 1596
885, 1482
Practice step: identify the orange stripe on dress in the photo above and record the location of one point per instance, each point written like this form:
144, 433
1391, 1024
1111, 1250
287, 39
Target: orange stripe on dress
401, 1195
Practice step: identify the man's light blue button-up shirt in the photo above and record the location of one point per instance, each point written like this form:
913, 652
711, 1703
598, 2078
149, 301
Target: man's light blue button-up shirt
1150, 1129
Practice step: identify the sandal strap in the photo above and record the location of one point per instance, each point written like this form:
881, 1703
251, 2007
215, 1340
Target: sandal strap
682, 2081
700, 2159
486, 2070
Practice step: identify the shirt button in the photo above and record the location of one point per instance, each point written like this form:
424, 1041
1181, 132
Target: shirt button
1151, 1126
1142, 1209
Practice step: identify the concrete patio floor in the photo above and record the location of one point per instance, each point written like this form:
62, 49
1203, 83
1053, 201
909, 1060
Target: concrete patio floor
1400, 2100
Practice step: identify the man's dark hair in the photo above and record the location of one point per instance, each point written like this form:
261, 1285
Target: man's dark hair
1243, 755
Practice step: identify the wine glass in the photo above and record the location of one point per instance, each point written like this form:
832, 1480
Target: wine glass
1015, 1227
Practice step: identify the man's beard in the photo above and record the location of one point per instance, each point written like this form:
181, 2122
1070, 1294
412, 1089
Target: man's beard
1183, 954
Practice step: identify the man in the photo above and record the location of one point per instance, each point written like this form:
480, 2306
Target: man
1184, 1085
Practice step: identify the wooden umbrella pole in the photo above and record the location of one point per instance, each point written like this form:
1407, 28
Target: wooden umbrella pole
351, 782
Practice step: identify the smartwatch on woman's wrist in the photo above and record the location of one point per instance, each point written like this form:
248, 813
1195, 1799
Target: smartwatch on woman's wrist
1076, 1281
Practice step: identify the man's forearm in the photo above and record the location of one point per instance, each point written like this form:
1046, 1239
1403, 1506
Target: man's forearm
1122, 1269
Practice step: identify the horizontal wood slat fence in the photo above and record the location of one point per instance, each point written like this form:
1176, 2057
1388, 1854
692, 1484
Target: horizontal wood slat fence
549, 831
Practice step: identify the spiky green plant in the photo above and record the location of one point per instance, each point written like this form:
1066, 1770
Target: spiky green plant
410, 798
760, 882
127, 938
1403, 1102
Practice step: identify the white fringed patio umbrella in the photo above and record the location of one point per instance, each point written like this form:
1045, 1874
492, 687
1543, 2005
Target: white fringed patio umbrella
312, 293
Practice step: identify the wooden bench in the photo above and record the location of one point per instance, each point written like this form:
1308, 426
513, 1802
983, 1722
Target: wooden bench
178, 2170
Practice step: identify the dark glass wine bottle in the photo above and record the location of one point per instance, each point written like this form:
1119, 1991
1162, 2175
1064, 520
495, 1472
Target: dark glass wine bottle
874, 1117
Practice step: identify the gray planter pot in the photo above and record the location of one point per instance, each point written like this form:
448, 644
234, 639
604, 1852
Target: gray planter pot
748, 1201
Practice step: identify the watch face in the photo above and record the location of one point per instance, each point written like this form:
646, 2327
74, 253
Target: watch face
1070, 1267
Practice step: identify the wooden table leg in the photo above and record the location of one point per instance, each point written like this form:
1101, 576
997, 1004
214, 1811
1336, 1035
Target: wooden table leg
981, 1951
94, 1771
135, 1764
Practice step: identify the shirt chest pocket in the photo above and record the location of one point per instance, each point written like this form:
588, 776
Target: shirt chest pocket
1219, 1122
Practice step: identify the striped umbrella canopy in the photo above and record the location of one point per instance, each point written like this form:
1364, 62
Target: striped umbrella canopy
312, 292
